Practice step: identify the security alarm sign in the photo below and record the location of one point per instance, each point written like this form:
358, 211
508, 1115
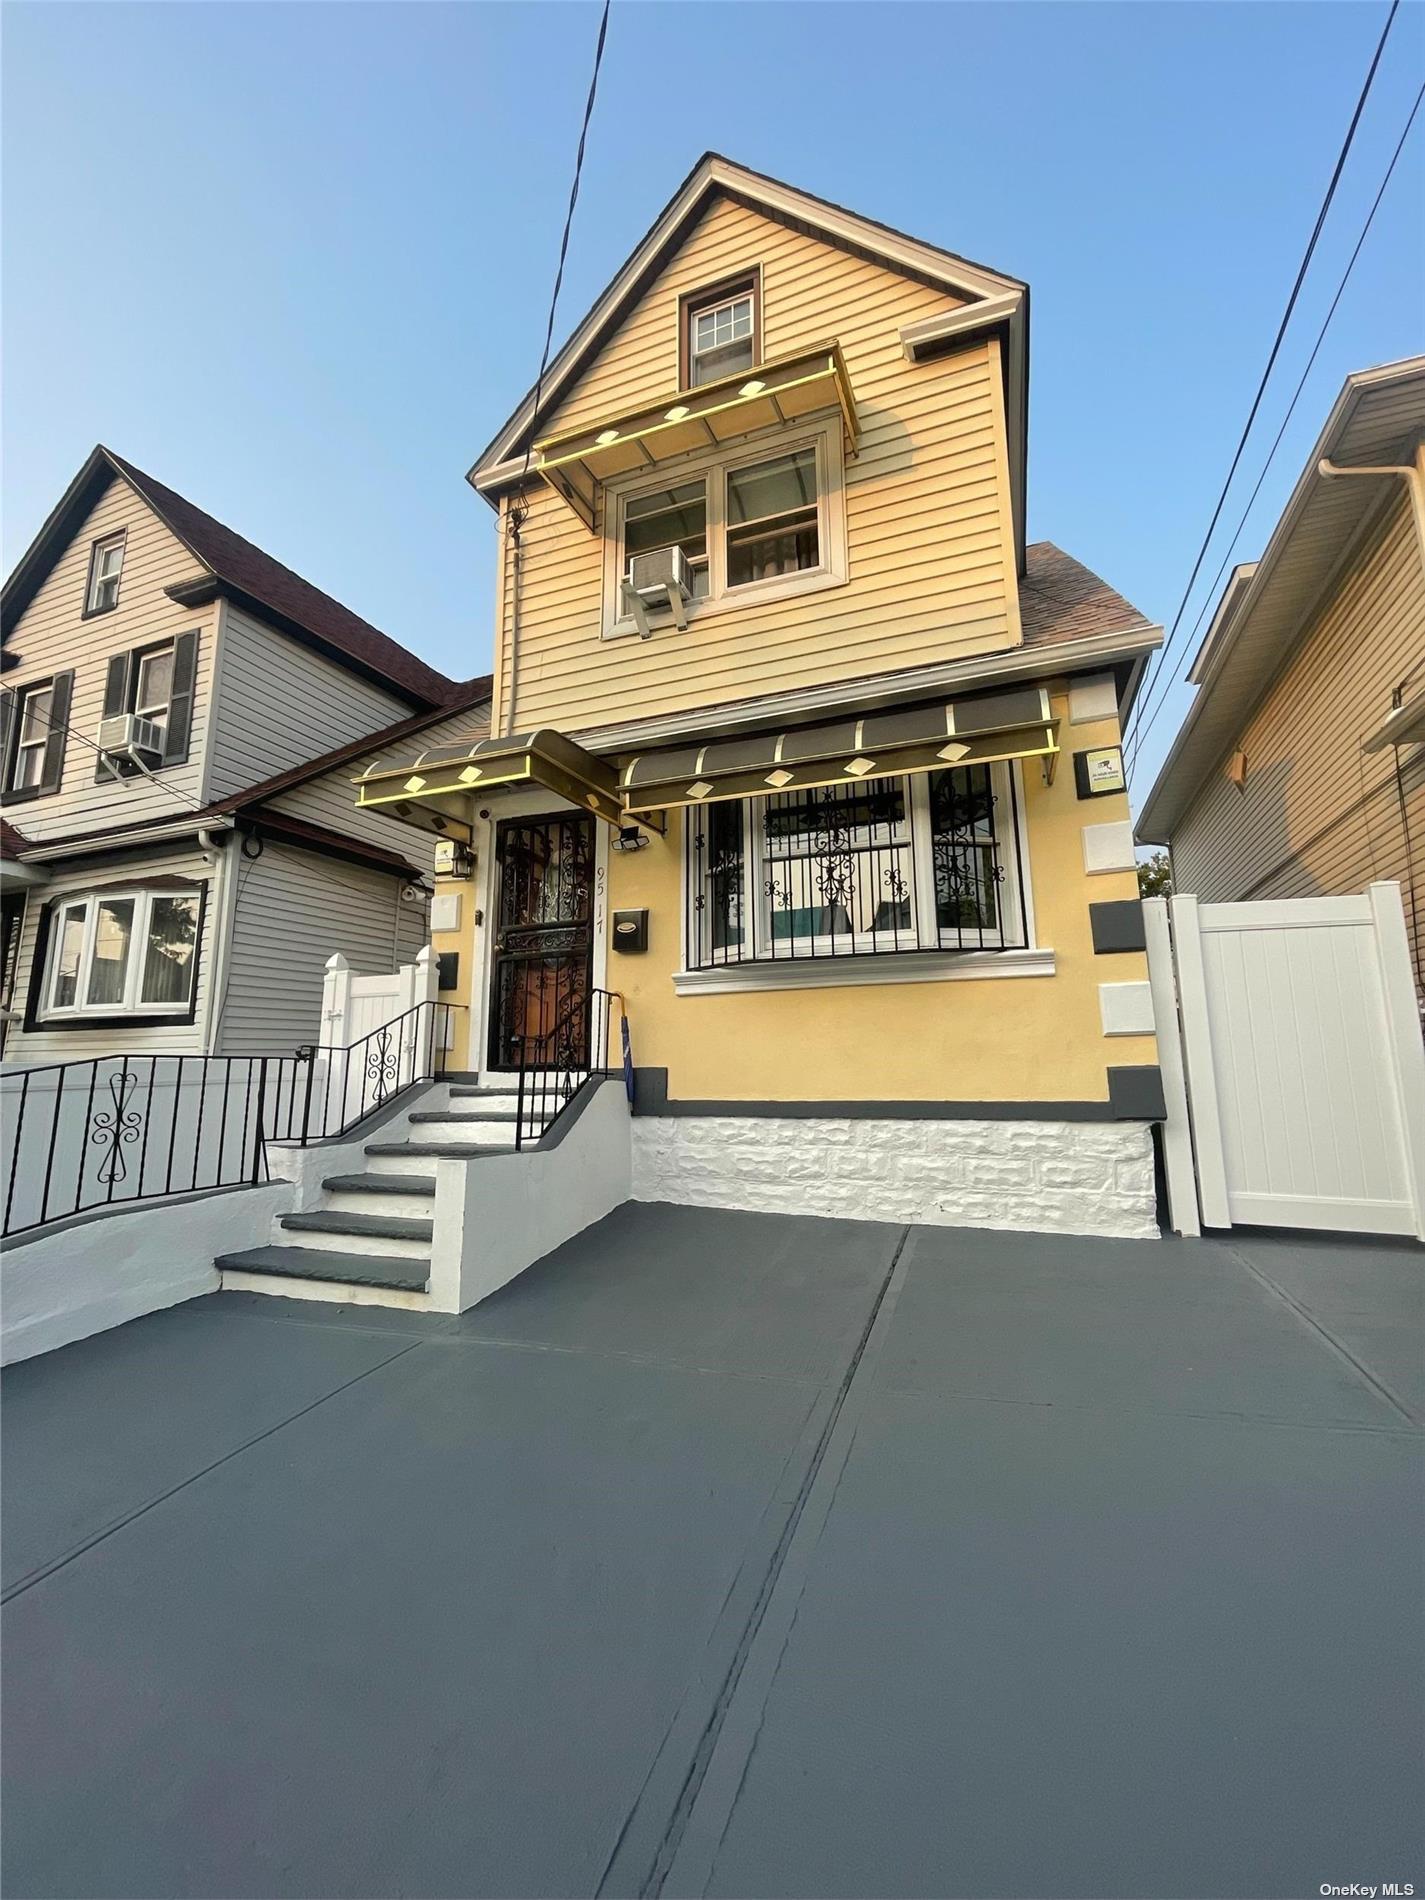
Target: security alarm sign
1099, 771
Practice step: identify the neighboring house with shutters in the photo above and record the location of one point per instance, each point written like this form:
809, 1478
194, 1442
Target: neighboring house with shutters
182, 718
801, 745
1299, 770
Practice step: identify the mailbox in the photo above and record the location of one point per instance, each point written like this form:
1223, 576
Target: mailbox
630, 933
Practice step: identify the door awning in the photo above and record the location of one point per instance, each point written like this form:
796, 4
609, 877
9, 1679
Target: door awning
578, 461
977, 730
434, 789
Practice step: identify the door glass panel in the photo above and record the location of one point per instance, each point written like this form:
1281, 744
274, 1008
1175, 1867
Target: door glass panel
111, 950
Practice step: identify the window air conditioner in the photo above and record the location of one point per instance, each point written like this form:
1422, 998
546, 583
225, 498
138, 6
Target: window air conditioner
661, 578
126, 736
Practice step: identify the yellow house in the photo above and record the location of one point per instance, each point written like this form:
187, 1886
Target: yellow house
799, 750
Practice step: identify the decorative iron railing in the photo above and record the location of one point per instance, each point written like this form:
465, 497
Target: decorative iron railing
84, 1135
556, 1063
878, 868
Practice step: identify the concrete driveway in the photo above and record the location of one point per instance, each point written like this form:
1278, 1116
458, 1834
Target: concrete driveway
733, 1554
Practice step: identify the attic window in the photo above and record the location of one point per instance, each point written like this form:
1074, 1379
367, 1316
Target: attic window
106, 564
721, 330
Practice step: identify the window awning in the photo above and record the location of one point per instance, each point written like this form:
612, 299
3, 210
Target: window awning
578, 461
977, 730
434, 790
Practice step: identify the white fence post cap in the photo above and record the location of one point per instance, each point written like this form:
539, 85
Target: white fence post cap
337, 962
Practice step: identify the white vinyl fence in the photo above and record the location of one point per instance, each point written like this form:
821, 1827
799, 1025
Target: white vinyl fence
1296, 1082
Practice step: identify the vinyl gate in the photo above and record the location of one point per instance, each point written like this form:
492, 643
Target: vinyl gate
1296, 1082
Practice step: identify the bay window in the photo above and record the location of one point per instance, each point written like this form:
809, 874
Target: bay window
128, 951
931, 861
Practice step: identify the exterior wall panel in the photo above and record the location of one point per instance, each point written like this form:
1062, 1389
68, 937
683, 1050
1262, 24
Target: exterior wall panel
931, 571
1317, 816
52, 635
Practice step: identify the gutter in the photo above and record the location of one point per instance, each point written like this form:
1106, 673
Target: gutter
89, 847
1414, 482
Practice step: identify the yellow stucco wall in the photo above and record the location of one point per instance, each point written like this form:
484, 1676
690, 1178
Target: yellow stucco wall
1022, 1039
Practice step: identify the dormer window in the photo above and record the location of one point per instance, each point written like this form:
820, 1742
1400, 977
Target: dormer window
721, 331
106, 564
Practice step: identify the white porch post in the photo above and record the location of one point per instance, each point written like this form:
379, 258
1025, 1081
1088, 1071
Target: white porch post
420, 983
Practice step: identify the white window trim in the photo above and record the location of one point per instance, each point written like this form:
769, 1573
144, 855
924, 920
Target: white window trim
710, 309
156, 711
714, 466
947, 959
130, 1004
106, 544
23, 696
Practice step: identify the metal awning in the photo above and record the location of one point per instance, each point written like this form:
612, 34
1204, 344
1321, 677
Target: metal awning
435, 788
977, 730
578, 461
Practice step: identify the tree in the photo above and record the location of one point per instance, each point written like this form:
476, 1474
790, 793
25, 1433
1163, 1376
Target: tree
1155, 875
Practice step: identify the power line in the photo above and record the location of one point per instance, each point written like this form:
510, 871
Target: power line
568, 226
1141, 732
1161, 672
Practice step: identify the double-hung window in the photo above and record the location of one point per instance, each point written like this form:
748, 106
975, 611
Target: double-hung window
124, 952
752, 524
722, 337
32, 731
106, 564
153, 684
932, 861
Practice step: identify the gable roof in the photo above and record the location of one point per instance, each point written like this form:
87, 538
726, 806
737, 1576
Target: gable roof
236, 567
12, 840
1006, 300
1267, 607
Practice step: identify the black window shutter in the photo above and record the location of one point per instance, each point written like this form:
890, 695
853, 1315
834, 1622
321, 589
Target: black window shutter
7, 732
180, 705
116, 701
53, 770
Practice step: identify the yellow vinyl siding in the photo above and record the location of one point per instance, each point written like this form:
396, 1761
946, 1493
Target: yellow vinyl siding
931, 571
1317, 816
52, 635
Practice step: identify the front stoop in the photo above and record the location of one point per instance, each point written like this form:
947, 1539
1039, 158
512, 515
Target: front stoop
372, 1231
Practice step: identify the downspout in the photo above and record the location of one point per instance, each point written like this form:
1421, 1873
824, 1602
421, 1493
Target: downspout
1414, 481
518, 512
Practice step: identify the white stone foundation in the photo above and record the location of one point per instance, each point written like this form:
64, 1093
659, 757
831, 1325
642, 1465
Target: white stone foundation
1046, 1177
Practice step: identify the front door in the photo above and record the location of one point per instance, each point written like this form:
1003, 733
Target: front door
544, 938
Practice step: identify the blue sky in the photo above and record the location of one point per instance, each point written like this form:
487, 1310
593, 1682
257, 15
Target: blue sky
295, 260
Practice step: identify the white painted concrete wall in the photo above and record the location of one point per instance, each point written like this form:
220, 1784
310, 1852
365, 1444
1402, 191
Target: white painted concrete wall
495, 1217
67, 1283
1041, 1177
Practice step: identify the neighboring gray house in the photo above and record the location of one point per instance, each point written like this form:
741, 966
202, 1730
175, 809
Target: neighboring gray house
182, 720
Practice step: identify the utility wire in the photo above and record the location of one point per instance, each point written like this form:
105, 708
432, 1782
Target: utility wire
1140, 734
568, 226
1162, 677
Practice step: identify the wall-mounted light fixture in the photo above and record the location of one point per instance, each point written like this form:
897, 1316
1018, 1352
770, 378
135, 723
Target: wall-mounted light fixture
452, 859
629, 838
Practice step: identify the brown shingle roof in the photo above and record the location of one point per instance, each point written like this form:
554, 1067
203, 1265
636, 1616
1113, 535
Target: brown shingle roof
1061, 599
12, 840
269, 584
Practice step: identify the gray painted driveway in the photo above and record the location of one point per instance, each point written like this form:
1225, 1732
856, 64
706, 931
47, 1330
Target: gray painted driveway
733, 1554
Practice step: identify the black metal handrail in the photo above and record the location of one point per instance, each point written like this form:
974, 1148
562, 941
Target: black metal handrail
143, 1127
555, 1064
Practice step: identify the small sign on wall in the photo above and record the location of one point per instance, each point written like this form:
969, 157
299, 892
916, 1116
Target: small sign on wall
445, 911
1099, 771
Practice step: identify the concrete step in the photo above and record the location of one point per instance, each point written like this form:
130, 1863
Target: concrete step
476, 1131
415, 1155
496, 1094
392, 1236
410, 1195
350, 1269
